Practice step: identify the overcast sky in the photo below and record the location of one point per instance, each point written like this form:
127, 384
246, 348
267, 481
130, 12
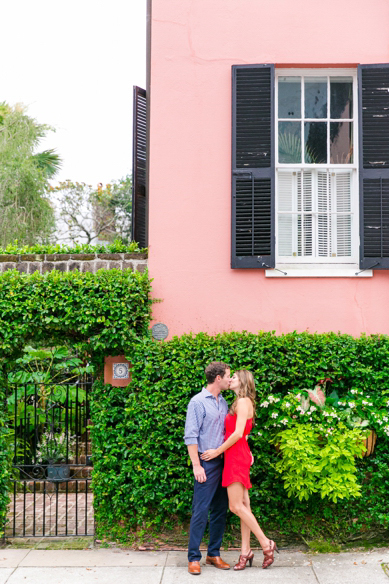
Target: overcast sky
74, 64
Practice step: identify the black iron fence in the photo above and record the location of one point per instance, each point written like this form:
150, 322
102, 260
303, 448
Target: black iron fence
52, 460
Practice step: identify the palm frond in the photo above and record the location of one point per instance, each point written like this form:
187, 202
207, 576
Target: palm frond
48, 161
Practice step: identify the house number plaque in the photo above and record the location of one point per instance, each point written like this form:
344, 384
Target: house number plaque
117, 371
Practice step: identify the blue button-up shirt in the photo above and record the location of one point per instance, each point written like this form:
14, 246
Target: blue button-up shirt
205, 420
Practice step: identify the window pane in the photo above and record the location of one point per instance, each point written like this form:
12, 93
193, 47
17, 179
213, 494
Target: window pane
341, 142
341, 97
289, 97
289, 142
315, 135
316, 97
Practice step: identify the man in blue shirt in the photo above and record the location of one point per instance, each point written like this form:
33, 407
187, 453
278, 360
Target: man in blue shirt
204, 429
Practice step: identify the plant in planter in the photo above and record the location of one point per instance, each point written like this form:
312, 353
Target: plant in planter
53, 451
319, 437
42, 379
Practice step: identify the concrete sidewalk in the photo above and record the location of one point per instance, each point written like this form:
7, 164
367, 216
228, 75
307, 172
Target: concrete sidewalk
114, 566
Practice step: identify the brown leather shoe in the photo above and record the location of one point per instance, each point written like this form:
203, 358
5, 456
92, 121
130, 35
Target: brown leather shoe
194, 568
217, 562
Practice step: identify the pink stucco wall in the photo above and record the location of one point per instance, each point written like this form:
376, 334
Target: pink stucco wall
193, 45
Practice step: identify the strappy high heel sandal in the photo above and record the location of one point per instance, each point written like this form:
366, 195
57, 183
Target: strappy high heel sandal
243, 561
269, 554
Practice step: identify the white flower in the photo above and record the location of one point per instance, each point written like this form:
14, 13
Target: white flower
264, 404
385, 419
353, 391
325, 414
274, 415
312, 409
271, 399
276, 400
351, 404
284, 421
298, 396
370, 404
380, 422
365, 403
287, 405
259, 433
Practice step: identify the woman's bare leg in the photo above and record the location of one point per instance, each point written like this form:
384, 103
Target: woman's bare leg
245, 531
235, 500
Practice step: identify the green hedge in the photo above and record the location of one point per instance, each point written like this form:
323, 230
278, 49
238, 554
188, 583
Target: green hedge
60, 248
102, 311
142, 475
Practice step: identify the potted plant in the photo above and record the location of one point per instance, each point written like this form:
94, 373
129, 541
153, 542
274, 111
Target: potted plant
53, 450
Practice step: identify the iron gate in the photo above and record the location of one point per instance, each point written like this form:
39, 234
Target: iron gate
52, 460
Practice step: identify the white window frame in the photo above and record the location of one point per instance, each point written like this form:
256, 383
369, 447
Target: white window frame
334, 266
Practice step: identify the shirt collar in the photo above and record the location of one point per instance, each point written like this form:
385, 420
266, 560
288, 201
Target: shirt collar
207, 393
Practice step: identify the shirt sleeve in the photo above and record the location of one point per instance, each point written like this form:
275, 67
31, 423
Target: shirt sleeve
194, 421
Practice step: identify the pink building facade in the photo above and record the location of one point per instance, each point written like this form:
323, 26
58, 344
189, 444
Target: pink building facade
268, 187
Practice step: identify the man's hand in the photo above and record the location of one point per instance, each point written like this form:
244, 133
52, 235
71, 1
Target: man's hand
210, 454
199, 473
252, 459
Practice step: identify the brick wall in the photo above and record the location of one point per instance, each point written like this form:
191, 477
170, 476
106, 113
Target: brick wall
29, 263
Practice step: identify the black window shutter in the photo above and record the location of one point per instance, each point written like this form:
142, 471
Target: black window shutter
139, 153
253, 200
373, 85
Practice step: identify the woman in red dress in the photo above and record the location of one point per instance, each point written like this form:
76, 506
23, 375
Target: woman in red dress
237, 462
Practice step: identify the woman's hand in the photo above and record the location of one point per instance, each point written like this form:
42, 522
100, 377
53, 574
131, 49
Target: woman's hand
209, 454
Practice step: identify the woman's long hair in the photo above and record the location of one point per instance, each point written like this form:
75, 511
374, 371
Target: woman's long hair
246, 389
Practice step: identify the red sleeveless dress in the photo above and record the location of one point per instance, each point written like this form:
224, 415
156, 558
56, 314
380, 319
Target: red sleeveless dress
237, 459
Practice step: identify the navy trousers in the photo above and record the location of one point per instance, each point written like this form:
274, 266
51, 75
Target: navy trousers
208, 497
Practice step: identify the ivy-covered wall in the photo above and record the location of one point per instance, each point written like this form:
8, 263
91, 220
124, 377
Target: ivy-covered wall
142, 475
100, 313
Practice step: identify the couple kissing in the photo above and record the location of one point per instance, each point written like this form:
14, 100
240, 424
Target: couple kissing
217, 445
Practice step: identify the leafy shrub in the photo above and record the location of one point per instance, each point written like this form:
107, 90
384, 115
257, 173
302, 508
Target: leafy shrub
60, 248
98, 312
315, 463
142, 475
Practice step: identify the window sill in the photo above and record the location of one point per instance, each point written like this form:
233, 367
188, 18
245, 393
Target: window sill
335, 271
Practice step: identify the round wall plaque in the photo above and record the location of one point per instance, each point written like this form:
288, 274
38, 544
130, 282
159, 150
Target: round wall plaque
159, 331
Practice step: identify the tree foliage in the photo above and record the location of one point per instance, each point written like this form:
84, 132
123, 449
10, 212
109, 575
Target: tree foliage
25, 210
90, 214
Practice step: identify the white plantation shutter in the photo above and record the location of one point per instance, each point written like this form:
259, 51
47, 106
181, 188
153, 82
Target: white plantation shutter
295, 237
287, 239
304, 204
343, 218
323, 218
314, 213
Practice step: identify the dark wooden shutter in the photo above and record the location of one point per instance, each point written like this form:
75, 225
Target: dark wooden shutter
139, 153
253, 239
373, 81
